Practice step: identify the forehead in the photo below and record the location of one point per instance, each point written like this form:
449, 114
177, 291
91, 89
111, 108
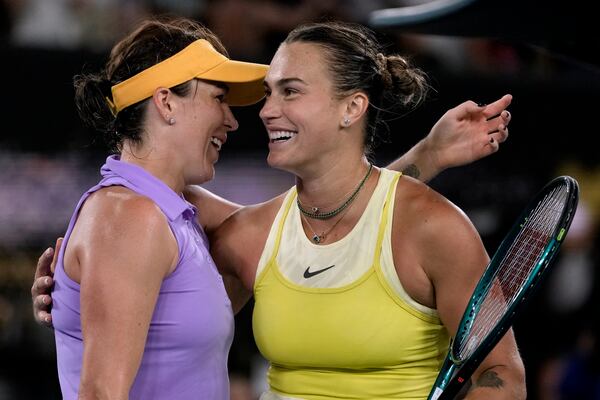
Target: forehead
298, 60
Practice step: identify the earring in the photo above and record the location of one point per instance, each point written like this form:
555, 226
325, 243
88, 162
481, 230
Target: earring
171, 121
346, 121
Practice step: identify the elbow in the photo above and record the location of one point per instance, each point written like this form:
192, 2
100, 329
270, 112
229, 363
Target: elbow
520, 387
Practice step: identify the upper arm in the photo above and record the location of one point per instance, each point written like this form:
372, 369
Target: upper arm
237, 246
232, 259
127, 250
454, 260
212, 209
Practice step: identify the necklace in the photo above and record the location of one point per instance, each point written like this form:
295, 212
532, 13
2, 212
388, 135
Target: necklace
315, 212
316, 238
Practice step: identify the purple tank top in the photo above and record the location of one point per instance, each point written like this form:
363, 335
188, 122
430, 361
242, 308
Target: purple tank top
190, 334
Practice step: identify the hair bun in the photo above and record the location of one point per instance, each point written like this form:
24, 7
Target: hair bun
382, 64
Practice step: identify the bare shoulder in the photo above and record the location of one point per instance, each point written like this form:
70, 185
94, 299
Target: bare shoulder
427, 212
439, 231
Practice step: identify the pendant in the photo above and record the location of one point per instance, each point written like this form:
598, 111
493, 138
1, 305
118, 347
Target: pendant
315, 210
316, 238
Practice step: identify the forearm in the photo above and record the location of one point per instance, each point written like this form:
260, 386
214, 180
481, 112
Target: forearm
501, 375
418, 162
498, 383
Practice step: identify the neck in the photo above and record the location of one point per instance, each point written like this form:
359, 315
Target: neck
155, 164
331, 188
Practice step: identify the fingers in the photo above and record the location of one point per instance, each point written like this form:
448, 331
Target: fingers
43, 264
44, 318
55, 257
41, 300
495, 138
494, 109
41, 286
489, 111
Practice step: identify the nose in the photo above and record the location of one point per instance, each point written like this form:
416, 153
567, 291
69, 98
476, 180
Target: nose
269, 110
230, 121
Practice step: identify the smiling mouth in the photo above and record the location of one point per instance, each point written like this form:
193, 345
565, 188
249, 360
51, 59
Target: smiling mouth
281, 136
216, 142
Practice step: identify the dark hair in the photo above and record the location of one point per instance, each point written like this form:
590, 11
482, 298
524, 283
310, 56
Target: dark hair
150, 43
356, 62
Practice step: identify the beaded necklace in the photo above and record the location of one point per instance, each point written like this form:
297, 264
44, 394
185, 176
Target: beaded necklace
315, 212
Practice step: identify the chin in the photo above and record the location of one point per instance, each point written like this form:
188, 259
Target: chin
276, 162
204, 176
280, 164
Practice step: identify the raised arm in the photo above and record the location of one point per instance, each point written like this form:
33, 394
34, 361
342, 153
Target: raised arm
462, 135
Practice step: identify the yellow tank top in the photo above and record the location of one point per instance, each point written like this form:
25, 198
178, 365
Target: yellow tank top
334, 320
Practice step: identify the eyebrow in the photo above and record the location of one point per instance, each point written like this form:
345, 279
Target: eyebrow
285, 81
220, 85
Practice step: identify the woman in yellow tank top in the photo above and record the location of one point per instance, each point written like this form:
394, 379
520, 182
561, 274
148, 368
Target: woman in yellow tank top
358, 274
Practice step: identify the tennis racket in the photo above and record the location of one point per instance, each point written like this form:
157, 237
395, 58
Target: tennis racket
508, 282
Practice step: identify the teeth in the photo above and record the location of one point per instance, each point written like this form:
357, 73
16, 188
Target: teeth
216, 142
281, 135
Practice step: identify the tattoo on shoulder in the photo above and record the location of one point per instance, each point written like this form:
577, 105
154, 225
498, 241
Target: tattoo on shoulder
490, 379
412, 170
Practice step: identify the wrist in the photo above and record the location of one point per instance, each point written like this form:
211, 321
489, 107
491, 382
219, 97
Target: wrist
428, 158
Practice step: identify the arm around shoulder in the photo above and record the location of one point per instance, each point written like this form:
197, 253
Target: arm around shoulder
212, 209
237, 246
464, 134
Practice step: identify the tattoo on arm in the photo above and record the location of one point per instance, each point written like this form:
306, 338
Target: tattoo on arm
489, 379
412, 170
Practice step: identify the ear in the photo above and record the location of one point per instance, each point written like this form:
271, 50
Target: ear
356, 106
162, 99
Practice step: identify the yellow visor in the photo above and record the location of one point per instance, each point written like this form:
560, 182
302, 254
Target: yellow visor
198, 60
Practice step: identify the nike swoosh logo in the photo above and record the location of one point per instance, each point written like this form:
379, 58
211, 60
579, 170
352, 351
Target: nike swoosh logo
309, 274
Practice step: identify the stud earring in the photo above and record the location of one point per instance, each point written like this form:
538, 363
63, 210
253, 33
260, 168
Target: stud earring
346, 121
171, 121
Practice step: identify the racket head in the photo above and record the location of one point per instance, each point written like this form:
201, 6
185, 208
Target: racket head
473, 340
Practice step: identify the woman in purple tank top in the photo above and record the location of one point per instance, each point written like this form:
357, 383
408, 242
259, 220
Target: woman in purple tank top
134, 264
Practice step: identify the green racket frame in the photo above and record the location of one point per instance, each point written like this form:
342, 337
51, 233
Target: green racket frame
455, 371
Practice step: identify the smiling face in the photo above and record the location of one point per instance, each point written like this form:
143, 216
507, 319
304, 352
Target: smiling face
202, 122
302, 112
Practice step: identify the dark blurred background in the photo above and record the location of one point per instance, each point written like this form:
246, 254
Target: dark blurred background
544, 54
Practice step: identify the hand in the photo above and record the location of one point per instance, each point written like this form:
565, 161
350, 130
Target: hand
42, 285
468, 133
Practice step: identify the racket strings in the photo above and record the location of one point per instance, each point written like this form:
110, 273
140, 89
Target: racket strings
515, 268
